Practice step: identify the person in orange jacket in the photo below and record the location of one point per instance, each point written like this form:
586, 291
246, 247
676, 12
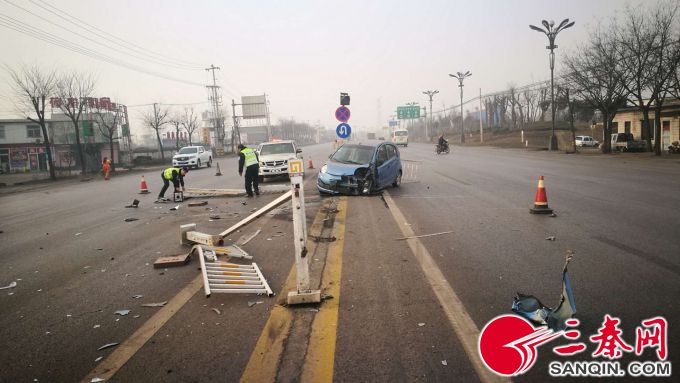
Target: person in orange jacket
106, 168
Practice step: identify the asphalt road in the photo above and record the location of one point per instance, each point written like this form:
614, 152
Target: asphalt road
76, 261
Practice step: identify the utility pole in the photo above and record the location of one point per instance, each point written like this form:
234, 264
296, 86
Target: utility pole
216, 100
461, 76
428, 127
481, 129
235, 131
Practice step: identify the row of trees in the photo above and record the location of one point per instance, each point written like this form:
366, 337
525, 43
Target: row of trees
635, 59
34, 89
181, 121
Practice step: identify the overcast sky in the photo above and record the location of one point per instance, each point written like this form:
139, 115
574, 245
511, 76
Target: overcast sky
302, 53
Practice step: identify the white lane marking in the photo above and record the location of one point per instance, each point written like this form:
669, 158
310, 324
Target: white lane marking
465, 328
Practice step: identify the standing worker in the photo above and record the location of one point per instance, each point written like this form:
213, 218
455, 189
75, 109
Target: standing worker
176, 175
106, 168
248, 158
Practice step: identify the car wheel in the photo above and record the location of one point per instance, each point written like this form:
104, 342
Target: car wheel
198, 164
368, 187
210, 162
397, 181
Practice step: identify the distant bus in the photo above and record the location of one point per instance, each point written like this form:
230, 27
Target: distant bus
400, 137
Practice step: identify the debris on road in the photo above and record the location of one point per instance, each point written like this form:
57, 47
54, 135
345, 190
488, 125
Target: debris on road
215, 217
326, 297
174, 260
77, 234
551, 238
97, 326
248, 239
318, 238
98, 359
198, 203
444, 363
137, 296
131, 219
423, 235
421, 324
158, 304
251, 303
122, 312
553, 215
108, 345
97, 380
217, 311
244, 203
11, 285
175, 208
529, 307
135, 203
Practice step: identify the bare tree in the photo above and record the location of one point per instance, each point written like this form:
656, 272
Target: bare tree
155, 119
543, 103
107, 120
72, 89
31, 87
512, 100
190, 123
176, 122
591, 72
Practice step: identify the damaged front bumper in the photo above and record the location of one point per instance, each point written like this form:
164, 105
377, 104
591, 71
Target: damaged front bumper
346, 184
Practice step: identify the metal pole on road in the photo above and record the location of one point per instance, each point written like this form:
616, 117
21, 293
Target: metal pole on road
461, 76
428, 126
551, 33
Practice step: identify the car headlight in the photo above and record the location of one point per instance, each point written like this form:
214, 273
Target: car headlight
324, 168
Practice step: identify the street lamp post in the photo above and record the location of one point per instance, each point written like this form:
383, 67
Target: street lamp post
552, 32
412, 124
428, 127
461, 76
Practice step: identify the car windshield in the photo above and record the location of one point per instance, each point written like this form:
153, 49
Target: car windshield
350, 154
187, 150
282, 148
400, 133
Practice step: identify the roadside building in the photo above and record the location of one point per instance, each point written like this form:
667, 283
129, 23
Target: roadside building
22, 148
629, 120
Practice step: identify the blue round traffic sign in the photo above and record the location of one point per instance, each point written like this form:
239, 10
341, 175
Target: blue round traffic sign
342, 114
343, 130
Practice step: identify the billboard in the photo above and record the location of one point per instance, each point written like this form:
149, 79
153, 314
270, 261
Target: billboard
254, 106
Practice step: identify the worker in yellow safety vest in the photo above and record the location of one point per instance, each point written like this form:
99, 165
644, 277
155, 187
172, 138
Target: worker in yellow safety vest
174, 175
247, 158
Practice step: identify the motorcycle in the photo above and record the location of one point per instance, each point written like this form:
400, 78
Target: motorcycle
674, 147
439, 149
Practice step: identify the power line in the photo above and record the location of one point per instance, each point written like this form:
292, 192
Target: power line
16, 25
107, 36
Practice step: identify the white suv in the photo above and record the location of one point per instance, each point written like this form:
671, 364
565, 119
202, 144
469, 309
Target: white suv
586, 141
192, 156
274, 158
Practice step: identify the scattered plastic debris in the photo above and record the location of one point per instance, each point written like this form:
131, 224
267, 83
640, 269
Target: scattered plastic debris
108, 345
421, 324
98, 359
217, 311
97, 326
201, 203
77, 234
122, 312
158, 304
553, 215
136, 316
424, 235
445, 363
551, 238
531, 308
131, 219
326, 296
137, 296
175, 208
215, 217
251, 303
11, 285
244, 203
135, 203
97, 380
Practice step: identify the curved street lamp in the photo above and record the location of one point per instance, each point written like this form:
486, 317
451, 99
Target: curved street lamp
552, 32
461, 76
430, 94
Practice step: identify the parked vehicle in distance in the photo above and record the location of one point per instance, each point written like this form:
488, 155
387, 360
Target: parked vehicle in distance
586, 141
274, 156
192, 156
360, 169
625, 142
370, 136
400, 137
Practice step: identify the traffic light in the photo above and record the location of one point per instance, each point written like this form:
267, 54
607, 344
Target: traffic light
344, 99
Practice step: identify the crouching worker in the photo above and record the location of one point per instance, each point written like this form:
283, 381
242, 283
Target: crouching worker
176, 175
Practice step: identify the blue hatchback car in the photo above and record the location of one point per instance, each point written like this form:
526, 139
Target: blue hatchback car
360, 169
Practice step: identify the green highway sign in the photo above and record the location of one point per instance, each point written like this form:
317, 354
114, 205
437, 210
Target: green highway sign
408, 112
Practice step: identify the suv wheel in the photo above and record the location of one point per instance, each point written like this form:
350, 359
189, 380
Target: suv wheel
209, 162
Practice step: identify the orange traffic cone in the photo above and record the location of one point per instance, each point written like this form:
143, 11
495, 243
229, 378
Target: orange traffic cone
541, 200
310, 164
143, 189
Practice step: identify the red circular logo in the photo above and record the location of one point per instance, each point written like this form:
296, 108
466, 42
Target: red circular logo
507, 345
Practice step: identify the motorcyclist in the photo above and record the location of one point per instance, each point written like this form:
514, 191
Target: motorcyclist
442, 142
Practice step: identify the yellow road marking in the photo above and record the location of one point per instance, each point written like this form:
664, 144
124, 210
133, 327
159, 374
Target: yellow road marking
320, 357
266, 356
109, 366
460, 320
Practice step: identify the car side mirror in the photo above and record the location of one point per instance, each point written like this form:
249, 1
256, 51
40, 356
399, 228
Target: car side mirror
298, 150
